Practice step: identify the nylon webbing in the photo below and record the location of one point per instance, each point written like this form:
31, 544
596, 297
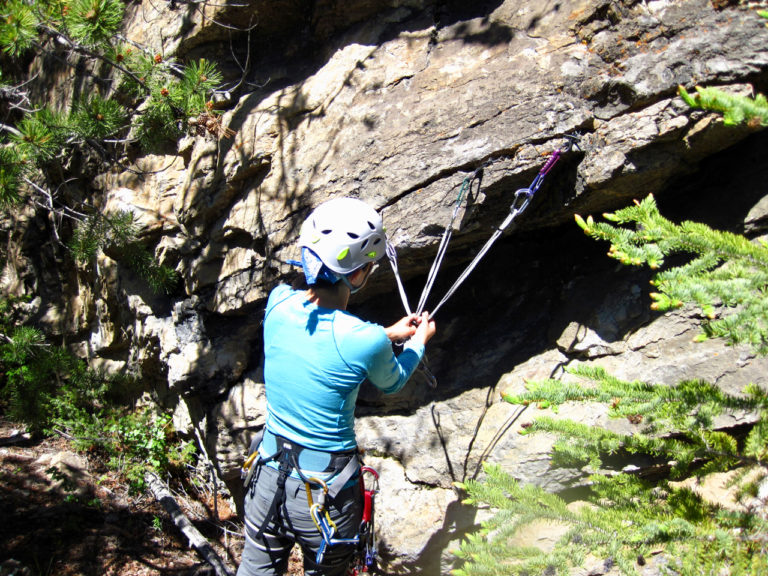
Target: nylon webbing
392, 255
520, 202
446, 238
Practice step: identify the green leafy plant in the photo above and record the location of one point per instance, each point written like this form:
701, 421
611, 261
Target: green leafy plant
52, 391
140, 441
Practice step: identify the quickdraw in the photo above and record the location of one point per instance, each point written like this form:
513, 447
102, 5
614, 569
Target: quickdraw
520, 201
366, 553
366, 561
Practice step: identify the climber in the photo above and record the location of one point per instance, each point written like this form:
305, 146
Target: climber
316, 357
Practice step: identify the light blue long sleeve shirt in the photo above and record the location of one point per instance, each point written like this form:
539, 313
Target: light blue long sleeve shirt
315, 360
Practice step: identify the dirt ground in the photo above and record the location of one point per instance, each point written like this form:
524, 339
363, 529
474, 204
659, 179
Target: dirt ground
86, 523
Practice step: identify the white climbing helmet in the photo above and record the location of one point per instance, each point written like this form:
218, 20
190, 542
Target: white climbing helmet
345, 233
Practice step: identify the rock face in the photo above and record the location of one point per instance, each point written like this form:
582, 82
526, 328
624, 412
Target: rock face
397, 102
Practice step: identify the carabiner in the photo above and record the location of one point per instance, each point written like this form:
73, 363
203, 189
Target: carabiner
321, 499
372, 472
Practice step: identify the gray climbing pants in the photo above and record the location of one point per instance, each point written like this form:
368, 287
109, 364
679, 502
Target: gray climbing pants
267, 555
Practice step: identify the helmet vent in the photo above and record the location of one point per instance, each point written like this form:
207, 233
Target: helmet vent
363, 245
371, 225
326, 232
376, 241
353, 235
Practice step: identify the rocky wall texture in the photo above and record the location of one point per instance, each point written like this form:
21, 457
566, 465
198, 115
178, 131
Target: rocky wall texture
397, 102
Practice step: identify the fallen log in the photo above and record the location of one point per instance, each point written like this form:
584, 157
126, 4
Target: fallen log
15, 438
196, 540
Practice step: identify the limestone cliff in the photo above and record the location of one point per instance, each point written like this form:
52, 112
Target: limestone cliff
397, 102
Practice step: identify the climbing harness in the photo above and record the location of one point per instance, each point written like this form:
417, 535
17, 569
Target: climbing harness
520, 201
342, 466
364, 540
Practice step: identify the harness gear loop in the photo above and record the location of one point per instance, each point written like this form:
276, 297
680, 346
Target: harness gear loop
343, 466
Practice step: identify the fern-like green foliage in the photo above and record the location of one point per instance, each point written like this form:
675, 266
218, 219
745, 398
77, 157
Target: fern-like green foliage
624, 520
726, 275
735, 108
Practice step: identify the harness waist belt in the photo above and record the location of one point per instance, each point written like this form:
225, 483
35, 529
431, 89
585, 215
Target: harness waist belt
306, 459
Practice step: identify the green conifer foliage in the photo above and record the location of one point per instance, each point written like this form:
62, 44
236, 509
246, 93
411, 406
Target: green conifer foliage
148, 99
93, 22
41, 135
627, 521
12, 169
97, 117
735, 108
726, 275
18, 27
118, 231
172, 99
624, 520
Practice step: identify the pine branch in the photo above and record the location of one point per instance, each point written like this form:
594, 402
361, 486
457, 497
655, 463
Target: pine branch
726, 275
68, 42
623, 522
735, 109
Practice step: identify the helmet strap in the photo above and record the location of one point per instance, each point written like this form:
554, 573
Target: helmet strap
355, 289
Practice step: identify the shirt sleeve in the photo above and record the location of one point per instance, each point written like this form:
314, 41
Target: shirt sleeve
366, 345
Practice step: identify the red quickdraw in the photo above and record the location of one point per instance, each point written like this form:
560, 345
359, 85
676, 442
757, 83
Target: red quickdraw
366, 561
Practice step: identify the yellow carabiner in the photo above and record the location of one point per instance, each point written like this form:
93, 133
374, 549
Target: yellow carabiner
308, 487
248, 468
249, 461
316, 509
